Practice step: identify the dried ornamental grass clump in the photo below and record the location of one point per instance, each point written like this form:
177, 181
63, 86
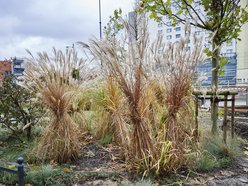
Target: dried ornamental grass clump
125, 65
156, 84
175, 76
110, 107
114, 103
60, 140
51, 78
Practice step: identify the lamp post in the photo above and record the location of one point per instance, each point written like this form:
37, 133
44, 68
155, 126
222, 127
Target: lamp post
100, 24
100, 19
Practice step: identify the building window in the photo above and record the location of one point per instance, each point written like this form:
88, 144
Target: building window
168, 30
169, 23
229, 51
197, 3
197, 33
160, 32
160, 24
177, 8
178, 35
178, 23
208, 46
178, 28
169, 37
198, 10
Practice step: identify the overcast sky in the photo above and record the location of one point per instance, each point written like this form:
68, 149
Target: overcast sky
38, 25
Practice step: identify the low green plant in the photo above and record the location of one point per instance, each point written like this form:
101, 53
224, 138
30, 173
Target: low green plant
206, 162
142, 183
12, 150
8, 178
216, 154
105, 140
48, 175
4, 134
220, 112
39, 176
216, 146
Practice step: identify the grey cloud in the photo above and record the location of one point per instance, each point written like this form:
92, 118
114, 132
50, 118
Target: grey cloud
46, 22
38, 24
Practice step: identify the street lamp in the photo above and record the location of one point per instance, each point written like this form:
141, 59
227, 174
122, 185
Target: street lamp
100, 19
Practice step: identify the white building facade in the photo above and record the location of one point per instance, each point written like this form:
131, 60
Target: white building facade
242, 53
173, 33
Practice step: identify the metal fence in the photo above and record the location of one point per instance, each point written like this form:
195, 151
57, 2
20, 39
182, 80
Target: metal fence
20, 170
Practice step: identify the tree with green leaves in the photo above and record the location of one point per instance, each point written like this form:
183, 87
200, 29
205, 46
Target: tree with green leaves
222, 18
113, 26
18, 108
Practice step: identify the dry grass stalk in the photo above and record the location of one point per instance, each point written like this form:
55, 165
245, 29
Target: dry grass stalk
52, 78
177, 68
126, 67
110, 107
60, 140
158, 142
115, 104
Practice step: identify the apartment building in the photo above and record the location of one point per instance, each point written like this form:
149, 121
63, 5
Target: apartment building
14, 66
242, 54
173, 33
18, 66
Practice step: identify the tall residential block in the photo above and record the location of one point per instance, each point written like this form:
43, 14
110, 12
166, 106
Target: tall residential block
17, 67
242, 51
173, 33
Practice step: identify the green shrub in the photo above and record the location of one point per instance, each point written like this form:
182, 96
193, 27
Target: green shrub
19, 108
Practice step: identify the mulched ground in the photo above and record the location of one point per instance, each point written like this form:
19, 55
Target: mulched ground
105, 166
93, 156
99, 165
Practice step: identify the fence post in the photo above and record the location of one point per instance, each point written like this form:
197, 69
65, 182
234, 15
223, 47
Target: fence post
196, 133
20, 171
225, 119
232, 116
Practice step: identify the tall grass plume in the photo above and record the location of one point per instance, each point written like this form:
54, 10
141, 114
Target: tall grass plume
52, 78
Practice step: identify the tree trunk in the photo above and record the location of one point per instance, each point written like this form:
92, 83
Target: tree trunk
214, 84
29, 129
